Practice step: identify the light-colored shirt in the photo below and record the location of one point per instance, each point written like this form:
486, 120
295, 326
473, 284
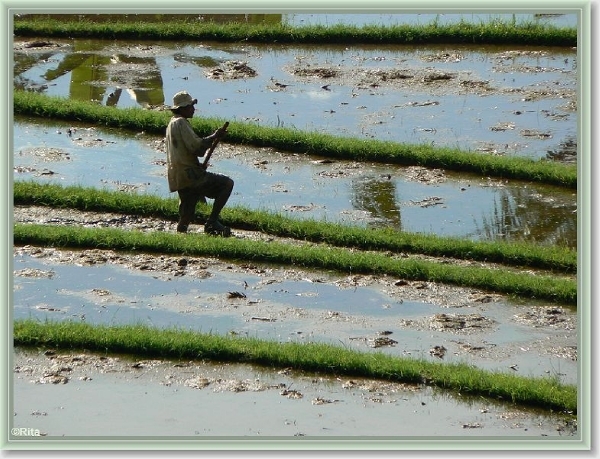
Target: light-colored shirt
184, 147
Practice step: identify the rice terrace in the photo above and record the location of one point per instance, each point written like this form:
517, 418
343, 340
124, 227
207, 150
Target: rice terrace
405, 229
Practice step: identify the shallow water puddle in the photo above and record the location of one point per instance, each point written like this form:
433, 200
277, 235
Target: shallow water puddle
498, 100
360, 312
203, 400
410, 199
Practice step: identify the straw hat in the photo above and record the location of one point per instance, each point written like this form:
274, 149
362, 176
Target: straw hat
182, 99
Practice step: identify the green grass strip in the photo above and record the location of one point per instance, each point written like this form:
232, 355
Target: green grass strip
557, 259
520, 284
311, 143
495, 32
140, 340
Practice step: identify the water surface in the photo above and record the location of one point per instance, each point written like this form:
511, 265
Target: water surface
510, 100
365, 194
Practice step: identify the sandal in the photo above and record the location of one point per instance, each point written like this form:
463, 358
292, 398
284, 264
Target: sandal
217, 229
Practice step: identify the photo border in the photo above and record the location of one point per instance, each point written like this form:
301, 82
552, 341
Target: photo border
585, 223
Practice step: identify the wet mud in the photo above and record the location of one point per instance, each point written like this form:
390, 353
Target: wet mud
77, 394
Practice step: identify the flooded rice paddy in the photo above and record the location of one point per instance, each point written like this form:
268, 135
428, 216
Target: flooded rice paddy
496, 101
519, 101
504, 101
412, 199
73, 396
290, 304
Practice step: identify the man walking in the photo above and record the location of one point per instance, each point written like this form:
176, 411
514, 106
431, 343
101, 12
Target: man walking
187, 175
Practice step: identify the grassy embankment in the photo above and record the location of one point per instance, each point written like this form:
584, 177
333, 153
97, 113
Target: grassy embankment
294, 141
517, 283
559, 260
189, 29
140, 340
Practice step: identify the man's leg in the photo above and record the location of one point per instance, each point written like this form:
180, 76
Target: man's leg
188, 198
219, 188
221, 198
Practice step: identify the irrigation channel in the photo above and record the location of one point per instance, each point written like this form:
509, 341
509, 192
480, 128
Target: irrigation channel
491, 100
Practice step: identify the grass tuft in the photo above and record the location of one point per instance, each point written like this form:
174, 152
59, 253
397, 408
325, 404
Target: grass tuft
173, 343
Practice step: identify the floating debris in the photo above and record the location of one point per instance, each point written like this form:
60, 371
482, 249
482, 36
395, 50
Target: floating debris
290, 393
547, 316
438, 351
320, 72
263, 319
323, 401
428, 202
236, 295
503, 126
197, 383
425, 175
535, 133
443, 57
53, 377
231, 70
300, 208
437, 76
459, 322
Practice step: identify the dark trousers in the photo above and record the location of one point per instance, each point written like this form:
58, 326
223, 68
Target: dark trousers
214, 186
188, 200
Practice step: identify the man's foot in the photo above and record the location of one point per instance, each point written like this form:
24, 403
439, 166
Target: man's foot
182, 228
217, 229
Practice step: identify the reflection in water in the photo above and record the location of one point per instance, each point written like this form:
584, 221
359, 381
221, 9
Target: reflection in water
515, 212
90, 72
146, 86
200, 61
84, 69
113, 97
378, 198
523, 214
24, 62
567, 151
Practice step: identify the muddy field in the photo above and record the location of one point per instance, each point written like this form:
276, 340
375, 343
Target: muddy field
292, 303
523, 98
359, 73
77, 394
73, 395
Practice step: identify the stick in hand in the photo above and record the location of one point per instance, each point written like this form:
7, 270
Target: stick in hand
222, 130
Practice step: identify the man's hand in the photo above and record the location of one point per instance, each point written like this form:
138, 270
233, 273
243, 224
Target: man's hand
219, 133
216, 136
